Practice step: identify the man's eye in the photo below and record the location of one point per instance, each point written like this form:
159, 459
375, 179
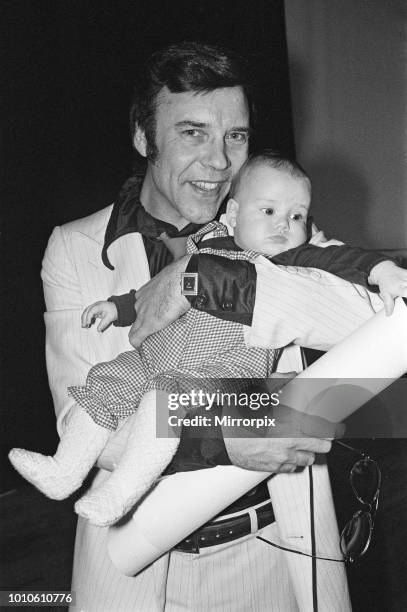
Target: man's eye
268, 211
297, 217
238, 137
192, 133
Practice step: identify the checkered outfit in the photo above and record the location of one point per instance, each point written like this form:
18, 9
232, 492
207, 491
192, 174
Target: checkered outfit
177, 359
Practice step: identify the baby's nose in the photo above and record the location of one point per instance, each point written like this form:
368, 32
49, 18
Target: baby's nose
282, 224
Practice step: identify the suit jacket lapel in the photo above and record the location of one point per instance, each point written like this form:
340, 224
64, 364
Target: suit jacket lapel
97, 282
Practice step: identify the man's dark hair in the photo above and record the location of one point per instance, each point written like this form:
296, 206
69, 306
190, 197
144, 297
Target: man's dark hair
187, 66
271, 158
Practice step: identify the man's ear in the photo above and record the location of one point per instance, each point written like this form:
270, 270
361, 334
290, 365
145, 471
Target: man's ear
140, 141
232, 209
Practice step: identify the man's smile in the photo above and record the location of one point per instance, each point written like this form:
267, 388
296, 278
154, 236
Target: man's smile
210, 187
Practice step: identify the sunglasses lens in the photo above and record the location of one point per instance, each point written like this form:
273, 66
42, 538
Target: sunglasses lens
355, 537
365, 480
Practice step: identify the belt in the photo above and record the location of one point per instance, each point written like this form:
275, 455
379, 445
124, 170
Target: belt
228, 529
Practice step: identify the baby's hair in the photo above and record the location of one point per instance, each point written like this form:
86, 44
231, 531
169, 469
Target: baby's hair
268, 157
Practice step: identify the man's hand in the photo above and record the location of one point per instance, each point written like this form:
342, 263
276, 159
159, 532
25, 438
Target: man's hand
281, 453
275, 450
392, 282
278, 455
159, 302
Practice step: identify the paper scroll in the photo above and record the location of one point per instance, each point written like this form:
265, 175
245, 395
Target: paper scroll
179, 504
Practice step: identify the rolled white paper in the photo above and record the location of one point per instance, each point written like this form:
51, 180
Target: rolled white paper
177, 506
370, 359
181, 503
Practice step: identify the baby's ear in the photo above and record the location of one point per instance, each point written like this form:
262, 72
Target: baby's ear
232, 208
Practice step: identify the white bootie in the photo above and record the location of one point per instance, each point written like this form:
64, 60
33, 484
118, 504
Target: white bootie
57, 477
142, 462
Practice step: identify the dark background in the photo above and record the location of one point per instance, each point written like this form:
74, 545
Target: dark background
70, 70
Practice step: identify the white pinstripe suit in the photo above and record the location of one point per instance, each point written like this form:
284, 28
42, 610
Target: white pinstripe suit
74, 276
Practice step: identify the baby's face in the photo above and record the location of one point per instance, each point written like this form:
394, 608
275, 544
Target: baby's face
269, 213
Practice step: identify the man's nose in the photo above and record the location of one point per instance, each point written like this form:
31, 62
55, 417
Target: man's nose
216, 155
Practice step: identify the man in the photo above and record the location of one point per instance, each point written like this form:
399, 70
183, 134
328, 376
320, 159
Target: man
190, 119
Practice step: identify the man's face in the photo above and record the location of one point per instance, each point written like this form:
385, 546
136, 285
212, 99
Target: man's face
269, 214
202, 140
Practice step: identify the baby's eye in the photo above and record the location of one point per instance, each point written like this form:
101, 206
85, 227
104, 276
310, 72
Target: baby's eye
268, 211
297, 217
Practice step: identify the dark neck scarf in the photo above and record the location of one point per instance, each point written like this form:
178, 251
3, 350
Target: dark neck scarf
128, 215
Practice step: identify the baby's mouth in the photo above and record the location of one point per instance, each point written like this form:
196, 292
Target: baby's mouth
278, 238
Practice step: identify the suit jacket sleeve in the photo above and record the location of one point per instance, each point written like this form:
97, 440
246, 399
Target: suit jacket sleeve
125, 304
350, 263
307, 307
67, 362
227, 288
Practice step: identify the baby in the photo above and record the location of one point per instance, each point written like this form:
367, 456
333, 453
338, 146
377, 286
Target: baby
267, 211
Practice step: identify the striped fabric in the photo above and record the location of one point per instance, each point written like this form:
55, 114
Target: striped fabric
290, 496
74, 277
330, 308
195, 347
243, 575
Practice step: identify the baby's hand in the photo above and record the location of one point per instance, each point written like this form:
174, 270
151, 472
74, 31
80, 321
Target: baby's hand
105, 311
392, 282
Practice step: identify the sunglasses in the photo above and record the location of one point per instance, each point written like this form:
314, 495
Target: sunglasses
365, 479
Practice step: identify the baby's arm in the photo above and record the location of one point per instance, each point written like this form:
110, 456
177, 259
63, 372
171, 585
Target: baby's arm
360, 266
118, 309
350, 263
105, 311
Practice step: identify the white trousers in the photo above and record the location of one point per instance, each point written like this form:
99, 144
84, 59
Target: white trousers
238, 576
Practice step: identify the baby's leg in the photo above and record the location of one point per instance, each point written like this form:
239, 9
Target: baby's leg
57, 477
142, 462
